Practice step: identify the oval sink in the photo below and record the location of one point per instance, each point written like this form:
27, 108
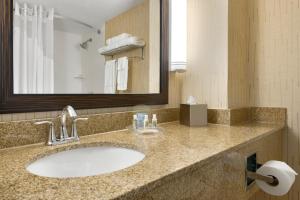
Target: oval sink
85, 162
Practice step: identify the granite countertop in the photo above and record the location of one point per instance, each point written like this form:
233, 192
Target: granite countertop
167, 155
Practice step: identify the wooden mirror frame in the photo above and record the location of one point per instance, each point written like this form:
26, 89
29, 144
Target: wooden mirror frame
15, 103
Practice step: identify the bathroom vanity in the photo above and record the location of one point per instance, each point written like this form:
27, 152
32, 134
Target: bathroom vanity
38, 80
183, 163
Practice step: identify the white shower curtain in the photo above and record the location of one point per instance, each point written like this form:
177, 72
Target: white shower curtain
33, 50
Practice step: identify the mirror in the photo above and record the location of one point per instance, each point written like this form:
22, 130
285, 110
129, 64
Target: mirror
86, 47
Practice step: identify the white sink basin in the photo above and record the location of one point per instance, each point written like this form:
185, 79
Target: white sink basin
85, 162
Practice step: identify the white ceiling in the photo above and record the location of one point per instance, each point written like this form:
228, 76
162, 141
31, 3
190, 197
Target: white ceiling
92, 12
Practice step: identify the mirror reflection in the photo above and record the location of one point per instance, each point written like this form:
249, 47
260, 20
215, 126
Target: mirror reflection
86, 47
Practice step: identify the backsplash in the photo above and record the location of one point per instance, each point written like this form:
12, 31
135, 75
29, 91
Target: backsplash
19, 129
24, 132
240, 115
53, 114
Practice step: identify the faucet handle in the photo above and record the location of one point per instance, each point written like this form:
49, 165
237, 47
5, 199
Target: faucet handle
44, 122
80, 119
51, 136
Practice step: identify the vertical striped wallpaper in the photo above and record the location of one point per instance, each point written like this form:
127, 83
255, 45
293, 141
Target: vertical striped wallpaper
206, 76
238, 53
274, 66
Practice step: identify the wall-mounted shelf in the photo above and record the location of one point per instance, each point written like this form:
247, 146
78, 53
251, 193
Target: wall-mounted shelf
121, 49
125, 46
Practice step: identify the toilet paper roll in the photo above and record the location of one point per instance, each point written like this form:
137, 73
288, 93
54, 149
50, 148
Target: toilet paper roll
284, 173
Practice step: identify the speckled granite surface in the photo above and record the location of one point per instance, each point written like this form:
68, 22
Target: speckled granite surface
218, 116
18, 133
221, 179
269, 115
172, 155
241, 115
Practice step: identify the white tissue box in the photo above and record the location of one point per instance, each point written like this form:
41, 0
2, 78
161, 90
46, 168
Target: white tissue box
193, 115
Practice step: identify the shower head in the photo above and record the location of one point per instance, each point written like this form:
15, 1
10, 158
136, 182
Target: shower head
85, 45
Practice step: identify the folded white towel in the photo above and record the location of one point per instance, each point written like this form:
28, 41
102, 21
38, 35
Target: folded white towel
103, 49
117, 38
121, 43
122, 80
110, 77
130, 41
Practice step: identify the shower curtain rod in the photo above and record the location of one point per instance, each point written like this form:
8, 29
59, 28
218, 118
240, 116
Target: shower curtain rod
58, 16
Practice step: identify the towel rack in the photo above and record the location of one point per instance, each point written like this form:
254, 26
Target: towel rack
125, 48
142, 57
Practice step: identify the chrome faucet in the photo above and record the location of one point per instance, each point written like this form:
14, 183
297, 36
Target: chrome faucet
69, 110
64, 137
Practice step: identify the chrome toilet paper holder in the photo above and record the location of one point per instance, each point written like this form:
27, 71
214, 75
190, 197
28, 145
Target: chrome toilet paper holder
271, 180
251, 167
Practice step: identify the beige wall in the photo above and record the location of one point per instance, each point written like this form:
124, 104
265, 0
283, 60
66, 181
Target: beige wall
274, 66
218, 38
206, 76
238, 76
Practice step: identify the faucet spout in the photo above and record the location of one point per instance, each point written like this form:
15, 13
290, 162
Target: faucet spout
71, 111
68, 110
